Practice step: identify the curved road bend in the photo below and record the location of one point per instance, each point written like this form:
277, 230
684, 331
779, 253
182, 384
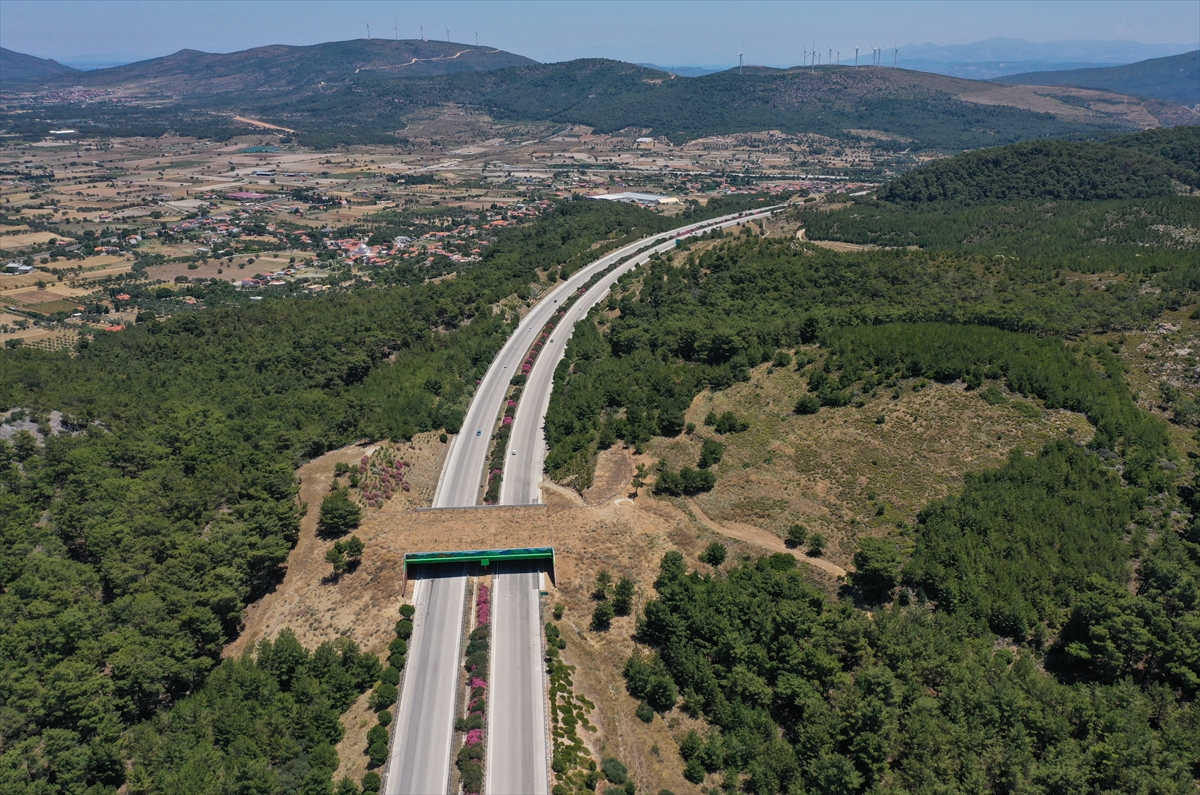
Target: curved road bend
419, 762
526, 456
517, 761
462, 474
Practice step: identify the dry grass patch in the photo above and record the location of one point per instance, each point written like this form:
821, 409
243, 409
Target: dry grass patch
843, 472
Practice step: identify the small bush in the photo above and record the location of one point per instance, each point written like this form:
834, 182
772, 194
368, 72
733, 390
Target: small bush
559, 609
385, 695
371, 782
407, 611
338, 514
816, 545
809, 404
378, 754
614, 771
797, 534
390, 675
602, 616
397, 661
377, 734
468, 723
398, 646
385, 718
644, 712
622, 600
728, 422
714, 554
711, 453
404, 629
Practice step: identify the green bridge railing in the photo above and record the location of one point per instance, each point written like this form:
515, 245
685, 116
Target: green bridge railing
484, 557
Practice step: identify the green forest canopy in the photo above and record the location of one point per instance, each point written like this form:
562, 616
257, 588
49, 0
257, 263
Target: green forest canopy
1138, 168
130, 545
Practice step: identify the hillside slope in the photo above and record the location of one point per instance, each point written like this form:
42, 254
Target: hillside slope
19, 67
1174, 79
287, 69
1056, 170
917, 109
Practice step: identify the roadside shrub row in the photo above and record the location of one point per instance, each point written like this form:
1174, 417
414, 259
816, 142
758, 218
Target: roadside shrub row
385, 695
470, 756
573, 767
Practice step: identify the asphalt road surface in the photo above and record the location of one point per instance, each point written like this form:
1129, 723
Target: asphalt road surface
462, 474
420, 753
517, 756
526, 454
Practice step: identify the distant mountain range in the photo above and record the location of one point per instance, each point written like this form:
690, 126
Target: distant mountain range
684, 71
364, 91
992, 58
276, 67
16, 66
1174, 79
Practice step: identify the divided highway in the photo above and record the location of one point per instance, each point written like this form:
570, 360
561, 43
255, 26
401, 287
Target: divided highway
526, 454
419, 762
518, 746
462, 474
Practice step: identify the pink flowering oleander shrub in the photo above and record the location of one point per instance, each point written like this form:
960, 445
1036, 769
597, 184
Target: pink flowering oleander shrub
383, 474
508, 421
477, 682
474, 737
511, 403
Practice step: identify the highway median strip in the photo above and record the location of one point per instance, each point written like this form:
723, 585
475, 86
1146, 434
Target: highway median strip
470, 762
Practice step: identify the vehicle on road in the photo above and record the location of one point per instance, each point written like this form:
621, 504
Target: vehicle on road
479, 433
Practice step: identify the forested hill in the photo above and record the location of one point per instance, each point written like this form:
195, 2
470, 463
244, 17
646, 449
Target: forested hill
921, 110
285, 68
365, 91
1174, 79
1133, 167
19, 66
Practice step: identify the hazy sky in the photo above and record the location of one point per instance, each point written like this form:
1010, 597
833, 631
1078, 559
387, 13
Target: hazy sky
666, 33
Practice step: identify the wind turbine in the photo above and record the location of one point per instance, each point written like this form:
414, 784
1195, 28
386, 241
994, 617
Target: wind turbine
855, 57
830, 56
368, 24
422, 27
396, 30
812, 67
895, 55
476, 39
447, 35
739, 63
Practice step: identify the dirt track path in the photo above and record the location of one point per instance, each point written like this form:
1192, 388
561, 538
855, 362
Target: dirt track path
762, 538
